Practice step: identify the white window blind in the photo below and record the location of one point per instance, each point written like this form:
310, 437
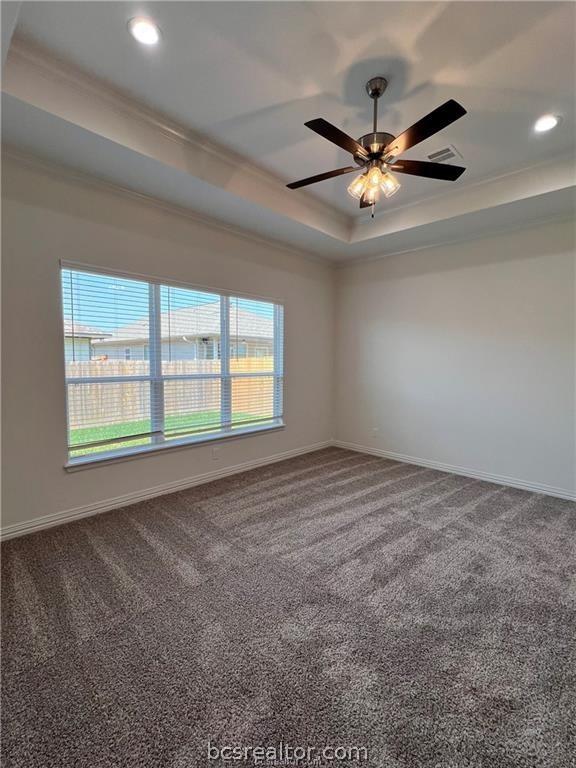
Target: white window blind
148, 364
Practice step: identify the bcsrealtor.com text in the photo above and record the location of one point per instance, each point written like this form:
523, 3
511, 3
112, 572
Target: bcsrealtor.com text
285, 754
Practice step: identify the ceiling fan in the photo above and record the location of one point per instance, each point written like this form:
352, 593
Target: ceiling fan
377, 152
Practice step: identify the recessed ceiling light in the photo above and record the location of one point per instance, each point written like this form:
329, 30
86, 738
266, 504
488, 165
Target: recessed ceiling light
546, 123
144, 30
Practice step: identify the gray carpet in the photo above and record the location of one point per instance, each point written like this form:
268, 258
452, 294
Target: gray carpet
336, 599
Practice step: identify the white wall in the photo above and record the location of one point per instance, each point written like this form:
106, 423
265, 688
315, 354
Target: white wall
465, 355
46, 218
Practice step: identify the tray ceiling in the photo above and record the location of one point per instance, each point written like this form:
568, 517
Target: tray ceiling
244, 77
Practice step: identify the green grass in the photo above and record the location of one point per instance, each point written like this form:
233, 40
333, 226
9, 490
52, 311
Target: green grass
210, 420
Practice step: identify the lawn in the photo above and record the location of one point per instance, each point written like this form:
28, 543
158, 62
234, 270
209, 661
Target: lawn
209, 420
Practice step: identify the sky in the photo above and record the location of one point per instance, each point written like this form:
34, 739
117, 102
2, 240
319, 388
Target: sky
107, 302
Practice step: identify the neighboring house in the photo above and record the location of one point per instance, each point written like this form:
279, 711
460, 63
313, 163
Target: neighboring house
191, 333
78, 341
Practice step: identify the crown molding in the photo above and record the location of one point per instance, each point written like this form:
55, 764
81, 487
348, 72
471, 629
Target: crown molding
83, 82
492, 232
75, 94
566, 159
552, 175
73, 176
48, 83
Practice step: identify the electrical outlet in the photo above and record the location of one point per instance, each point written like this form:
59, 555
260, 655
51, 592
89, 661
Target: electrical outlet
215, 453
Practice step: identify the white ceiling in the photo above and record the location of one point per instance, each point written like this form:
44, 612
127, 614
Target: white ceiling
248, 75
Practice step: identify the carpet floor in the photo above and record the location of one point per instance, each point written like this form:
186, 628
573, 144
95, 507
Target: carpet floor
334, 600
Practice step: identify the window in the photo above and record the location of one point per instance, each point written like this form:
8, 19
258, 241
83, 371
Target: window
165, 365
239, 350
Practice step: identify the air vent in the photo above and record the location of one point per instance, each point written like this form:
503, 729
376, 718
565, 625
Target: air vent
444, 155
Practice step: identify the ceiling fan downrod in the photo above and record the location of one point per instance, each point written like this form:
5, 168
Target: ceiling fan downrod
375, 87
374, 143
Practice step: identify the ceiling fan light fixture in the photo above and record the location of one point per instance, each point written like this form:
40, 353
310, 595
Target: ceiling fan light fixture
375, 176
357, 187
372, 195
390, 184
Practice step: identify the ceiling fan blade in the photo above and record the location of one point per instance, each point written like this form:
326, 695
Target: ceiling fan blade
437, 120
322, 176
336, 136
430, 170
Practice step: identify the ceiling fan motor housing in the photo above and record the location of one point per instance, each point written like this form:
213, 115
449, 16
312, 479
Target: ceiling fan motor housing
374, 144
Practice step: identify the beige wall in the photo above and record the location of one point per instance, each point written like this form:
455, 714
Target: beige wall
47, 218
464, 355
461, 355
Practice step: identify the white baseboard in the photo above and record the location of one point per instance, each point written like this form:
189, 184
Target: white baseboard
548, 490
58, 518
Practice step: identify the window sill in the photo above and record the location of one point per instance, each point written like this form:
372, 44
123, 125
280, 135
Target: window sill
127, 454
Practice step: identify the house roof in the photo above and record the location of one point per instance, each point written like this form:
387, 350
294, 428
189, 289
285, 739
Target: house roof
82, 331
202, 320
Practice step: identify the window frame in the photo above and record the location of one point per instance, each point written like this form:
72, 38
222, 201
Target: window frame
156, 378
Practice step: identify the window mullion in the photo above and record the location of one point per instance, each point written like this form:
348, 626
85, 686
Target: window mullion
155, 355
225, 382
278, 350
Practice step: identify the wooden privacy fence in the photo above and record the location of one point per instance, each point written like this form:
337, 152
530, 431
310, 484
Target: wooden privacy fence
94, 403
